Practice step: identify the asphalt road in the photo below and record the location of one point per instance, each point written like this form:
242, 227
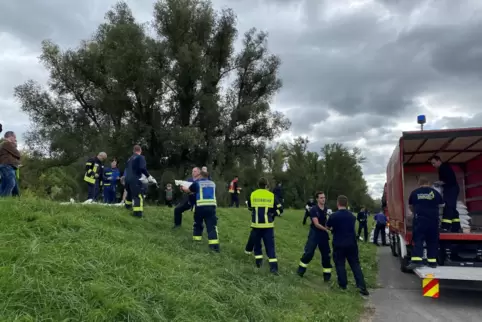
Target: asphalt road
400, 298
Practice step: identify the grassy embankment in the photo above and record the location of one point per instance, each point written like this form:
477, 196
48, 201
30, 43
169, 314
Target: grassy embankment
96, 263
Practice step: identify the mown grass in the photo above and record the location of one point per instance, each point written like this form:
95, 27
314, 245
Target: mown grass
97, 263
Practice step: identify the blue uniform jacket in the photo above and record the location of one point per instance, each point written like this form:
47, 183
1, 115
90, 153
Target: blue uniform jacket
111, 175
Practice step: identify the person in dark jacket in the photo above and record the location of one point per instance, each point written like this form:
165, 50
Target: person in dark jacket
451, 190
318, 237
93, 175
362, 219
345, 247
188, 201
9, 164
135, 168
309, 204
234, 190
380, 225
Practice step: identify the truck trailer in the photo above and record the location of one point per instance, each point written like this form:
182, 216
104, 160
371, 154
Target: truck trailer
460, 254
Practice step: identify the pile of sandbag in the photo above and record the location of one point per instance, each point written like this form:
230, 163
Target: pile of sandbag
464, 216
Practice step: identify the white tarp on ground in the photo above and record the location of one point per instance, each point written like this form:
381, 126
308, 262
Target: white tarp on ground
90, 202
380, 236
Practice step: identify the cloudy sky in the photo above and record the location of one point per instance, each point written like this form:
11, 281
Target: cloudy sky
357, 72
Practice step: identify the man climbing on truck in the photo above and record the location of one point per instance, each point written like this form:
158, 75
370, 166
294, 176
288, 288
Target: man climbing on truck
450, 217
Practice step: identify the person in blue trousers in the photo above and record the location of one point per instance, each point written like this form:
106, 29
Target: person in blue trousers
425, 203
345, 246
188, 201
111, 176
9, 163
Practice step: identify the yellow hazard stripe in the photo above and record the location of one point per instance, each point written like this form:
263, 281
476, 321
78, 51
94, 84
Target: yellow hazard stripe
430, 287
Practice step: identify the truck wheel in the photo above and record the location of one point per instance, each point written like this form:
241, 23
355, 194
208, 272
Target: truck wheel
404, 260
394, 244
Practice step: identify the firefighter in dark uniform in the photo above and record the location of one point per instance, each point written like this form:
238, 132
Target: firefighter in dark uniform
278, 192
234, 192
136, 167
450, 217
425, 203
345, 246
205, 210
93, 175
264, 206
308, 206
317, 237
362, 218
188, 201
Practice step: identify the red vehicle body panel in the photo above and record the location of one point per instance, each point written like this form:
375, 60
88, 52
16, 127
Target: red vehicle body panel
395, 197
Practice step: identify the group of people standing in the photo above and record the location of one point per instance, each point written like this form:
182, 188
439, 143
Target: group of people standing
9, 165
264, 206
133, 180
341, 224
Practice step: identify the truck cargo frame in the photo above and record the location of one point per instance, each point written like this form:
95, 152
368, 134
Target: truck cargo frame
462, 149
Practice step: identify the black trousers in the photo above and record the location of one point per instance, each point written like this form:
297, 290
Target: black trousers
266, 235
316, 239
185, 205
363, 226
380, 229
350, 255
134, 198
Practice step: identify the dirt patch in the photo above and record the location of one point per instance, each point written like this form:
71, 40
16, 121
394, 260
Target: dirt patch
368, 314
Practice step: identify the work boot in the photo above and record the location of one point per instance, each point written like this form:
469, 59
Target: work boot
214, 248
326, 277
259, 263
364, 292
414, 265
432, 265
301, 271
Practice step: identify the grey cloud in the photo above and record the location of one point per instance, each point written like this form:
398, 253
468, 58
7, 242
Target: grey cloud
460, 122
359, 64
64, 21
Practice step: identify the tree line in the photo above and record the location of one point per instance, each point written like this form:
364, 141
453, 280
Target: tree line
177, 87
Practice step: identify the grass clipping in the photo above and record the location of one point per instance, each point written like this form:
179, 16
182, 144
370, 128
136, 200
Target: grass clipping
92, 263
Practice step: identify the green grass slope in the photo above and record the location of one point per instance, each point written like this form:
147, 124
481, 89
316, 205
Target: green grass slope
97, 263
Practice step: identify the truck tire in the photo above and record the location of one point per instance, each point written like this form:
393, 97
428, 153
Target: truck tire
394, 244
404, 260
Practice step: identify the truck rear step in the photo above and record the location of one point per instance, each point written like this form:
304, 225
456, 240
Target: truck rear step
431, 276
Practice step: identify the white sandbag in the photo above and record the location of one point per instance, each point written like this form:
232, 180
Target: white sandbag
438, 188
466, 217
460, 204
463, 212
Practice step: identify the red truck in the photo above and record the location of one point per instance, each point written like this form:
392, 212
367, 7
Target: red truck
462, 149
